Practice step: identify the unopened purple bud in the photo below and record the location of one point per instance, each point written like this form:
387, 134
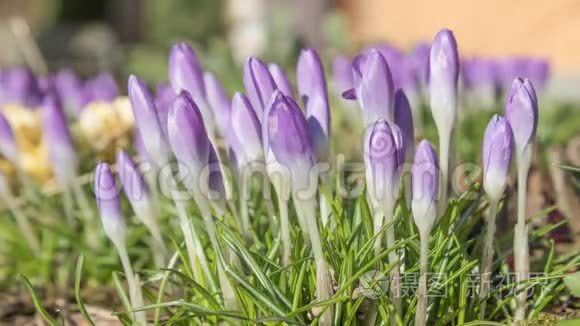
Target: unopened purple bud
147, 121
281, 79
109, 203
131, 179
57, 135
8, 147
164, 97
188, 137
259, 84
219, 102
70, 89
521, 111
246, 131
312, 90
101, 88
289, 138
425, 187
497, 156
374, 87
383, 155
404, 120
185, 72
20, 86
443, 77
420, 61
217, 191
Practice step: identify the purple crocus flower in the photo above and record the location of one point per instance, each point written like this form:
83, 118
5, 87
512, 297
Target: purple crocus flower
497, 155
101, 88
218, 101
419, 58
521, 111
425, 187
404, 120
185, 73
109, 203
164, 97
444, 73
217, 190
188, 138
147, 121
289, 139
280, 79
383, 155
8, 147
70, 89
259, 84
133, 183
57, 135
20, 86
246, 131
374, 86
312, 90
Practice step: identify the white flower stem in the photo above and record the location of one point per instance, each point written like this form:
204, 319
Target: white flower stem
22, 222
487, 257
444, 145
228, 293
324, 283
285, 231
521, 249
245, 186
324, 208
134, 286
421, 311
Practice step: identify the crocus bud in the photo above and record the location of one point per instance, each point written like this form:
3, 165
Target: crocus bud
404, 120
383, 155
109, 204
185, 73
164, 97
216, 186
20, 86
8, 147
374, 87
188, 138
425, 187
70, 89
246, 131
497, 156
103, 88
147, 121
57, 135
289, 139
135, 188
312, 90
259, 84
280, 78
443, 76
521, 111
219, 102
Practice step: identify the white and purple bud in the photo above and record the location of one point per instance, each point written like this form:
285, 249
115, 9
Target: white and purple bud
57, 135
135, 188
246, 131
521, 111
188, 138
497, 155
312, 89
216, 186
425, 187
374, 87
185, 73
259, 85
147, 122
280, 79
8, 146
101, 88
443, 77
164, 97
289, 139
218, 101
342, 74
109, 204
383, 156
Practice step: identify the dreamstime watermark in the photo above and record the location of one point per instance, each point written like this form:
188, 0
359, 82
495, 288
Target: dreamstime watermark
375, 284
179, 181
